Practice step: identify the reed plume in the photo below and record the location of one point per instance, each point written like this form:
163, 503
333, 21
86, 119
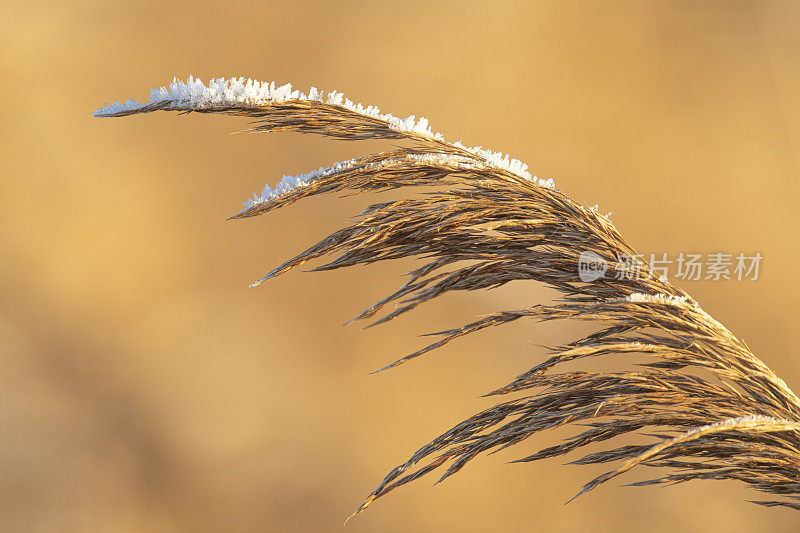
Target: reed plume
701, 403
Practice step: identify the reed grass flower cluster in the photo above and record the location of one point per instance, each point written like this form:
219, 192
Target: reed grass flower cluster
700, 403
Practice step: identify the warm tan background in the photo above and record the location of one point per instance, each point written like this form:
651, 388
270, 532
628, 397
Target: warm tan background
146, 388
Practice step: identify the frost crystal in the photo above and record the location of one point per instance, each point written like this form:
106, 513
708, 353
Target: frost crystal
221, 93
290, 183
640, 298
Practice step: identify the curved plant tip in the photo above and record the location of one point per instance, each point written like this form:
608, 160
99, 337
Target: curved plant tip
701, 404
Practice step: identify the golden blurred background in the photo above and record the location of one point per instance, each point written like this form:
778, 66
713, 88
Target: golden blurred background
147, 388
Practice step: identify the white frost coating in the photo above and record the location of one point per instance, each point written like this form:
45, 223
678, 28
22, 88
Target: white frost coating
290, 183
640, 298
220, 92
193, 94
506, 162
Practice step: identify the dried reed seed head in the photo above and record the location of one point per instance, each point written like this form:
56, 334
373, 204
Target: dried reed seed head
705, 405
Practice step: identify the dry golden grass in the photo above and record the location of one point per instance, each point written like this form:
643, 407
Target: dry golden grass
702, 405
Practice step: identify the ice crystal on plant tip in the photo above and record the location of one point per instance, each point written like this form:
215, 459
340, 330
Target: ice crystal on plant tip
194, 95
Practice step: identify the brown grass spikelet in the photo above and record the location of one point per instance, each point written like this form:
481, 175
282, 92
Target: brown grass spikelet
710, 408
